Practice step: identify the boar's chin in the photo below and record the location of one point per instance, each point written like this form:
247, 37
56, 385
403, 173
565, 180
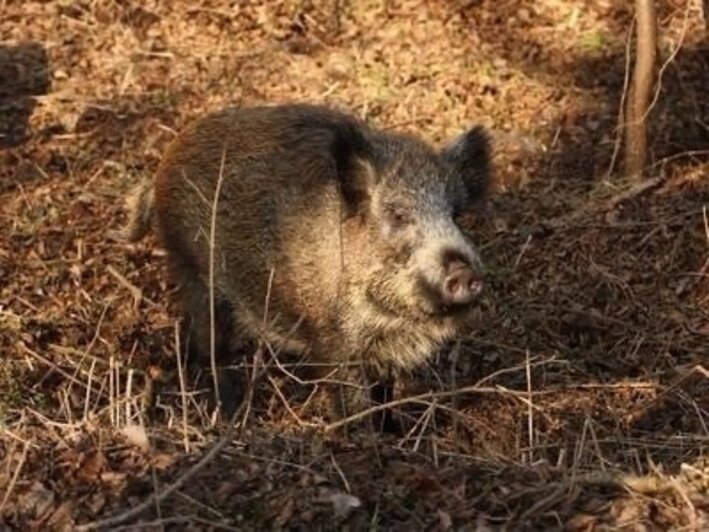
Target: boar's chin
456, 313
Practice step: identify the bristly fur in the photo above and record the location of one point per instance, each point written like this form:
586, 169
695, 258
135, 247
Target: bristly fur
347, 229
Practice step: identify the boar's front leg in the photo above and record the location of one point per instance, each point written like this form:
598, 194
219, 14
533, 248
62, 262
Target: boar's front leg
193, 294
358, 388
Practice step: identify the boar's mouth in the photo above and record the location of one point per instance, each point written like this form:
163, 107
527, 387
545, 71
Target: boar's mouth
429, 304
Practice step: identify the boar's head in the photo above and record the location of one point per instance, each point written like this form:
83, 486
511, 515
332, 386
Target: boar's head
403, 199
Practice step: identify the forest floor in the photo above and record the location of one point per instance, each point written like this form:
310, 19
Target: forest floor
583, 400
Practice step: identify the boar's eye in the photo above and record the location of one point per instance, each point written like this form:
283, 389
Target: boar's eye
459, 212
397, 216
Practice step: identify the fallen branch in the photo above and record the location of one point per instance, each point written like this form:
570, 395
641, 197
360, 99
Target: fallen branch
635, 191
424, 397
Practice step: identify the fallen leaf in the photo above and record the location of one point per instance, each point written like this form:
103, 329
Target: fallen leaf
91, 467
285, 513
136, 436
97, 502
37, 501
61, 518
113, 477
444, 520
162, 461
583, 522
343, 503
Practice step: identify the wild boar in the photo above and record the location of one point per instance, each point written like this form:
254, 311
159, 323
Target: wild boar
325, 237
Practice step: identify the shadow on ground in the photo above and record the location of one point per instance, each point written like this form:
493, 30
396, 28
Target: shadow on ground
24, 73
596, 64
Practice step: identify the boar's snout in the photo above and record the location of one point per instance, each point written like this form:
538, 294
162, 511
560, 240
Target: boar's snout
463, 281
449, 274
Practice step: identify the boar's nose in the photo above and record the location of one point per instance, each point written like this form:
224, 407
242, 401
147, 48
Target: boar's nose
462, 283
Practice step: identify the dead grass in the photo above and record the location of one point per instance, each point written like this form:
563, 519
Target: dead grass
581, 402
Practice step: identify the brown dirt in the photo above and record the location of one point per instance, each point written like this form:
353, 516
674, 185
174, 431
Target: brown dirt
587, 400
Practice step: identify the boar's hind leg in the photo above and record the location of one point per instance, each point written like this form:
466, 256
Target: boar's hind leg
194, 297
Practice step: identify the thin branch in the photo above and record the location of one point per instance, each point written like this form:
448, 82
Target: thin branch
623, 97
212, 309
424, 397
15, 476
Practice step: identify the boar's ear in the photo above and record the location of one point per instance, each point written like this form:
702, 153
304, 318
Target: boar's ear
469, 155
354, 162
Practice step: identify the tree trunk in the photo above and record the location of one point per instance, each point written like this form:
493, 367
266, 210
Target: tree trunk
640, 95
